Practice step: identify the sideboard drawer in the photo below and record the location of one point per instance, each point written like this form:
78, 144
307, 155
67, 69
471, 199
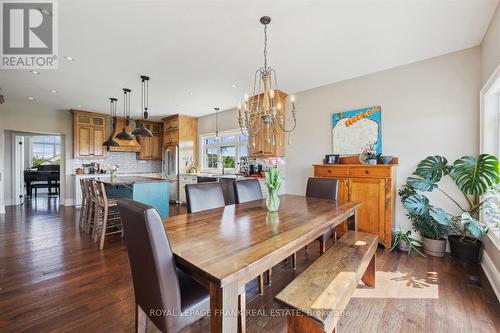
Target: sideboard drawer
369, 172
326, 171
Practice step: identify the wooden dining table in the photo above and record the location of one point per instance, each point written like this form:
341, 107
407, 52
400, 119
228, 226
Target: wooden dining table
225, 248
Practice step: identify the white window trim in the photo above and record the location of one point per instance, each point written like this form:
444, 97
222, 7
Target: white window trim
490, 127
238, 144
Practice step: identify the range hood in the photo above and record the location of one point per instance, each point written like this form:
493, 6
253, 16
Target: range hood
125, 145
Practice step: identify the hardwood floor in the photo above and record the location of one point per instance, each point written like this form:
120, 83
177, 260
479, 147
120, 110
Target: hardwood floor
53, 278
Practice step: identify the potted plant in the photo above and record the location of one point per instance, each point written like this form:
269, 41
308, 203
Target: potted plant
473, 177
404, 242
433, 233
273, 182
369, 154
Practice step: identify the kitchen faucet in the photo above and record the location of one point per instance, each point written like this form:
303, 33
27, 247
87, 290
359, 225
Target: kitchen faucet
222, 164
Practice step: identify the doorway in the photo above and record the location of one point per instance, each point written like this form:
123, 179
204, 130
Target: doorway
36, 169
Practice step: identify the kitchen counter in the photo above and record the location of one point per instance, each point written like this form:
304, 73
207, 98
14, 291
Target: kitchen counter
131, 180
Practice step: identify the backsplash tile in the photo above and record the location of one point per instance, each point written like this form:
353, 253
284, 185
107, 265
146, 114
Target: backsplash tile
127, 163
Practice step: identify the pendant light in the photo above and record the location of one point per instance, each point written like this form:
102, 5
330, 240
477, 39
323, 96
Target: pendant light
112, 115
124, 135
217, 122
141, 130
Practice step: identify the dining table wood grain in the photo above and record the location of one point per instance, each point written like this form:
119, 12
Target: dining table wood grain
225, 248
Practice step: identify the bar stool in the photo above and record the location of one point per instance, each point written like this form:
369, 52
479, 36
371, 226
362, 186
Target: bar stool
85, 204
91, 205
107, 218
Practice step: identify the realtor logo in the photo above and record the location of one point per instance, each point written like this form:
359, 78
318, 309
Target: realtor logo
29, 34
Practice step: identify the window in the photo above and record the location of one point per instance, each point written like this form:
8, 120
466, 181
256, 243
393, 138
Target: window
45, 150
228, 149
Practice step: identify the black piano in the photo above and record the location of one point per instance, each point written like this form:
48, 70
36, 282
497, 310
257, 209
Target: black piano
42, 176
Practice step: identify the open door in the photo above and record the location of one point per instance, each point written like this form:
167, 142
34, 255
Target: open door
18, 167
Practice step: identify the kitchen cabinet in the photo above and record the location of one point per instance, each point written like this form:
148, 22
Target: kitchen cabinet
182, 131
268, 143
89, 133
151, 146
183, 181
374, 187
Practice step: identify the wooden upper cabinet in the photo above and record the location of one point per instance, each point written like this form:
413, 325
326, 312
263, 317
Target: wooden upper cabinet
374, 187
89, 133
268, 143
151, 146
182, 130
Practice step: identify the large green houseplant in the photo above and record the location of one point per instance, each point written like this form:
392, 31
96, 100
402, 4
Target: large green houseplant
473, 177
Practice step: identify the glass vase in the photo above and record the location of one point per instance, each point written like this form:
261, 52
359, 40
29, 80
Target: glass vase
273, 201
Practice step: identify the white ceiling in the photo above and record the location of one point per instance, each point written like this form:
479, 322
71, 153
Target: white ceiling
205, 47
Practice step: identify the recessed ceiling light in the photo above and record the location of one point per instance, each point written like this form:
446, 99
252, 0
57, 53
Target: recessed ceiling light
78, 106
34, 72
190, 93
53, 91
30, 98
69, 58
234, 85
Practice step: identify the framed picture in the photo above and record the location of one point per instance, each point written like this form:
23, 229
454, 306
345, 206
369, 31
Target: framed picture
332, 159
354, 130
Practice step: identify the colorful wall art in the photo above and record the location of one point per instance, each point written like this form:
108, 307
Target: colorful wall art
353, 130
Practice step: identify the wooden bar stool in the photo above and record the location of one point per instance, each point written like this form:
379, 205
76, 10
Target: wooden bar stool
83, 210
107, 218
91, 206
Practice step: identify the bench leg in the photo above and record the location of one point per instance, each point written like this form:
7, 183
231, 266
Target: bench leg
322, 247
369, 275
242, 308
303, 324
269, 276
294, 260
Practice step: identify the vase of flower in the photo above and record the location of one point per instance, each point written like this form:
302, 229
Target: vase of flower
113, 170
369, 154
273, 182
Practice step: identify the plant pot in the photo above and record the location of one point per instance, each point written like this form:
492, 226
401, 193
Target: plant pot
372, 161
465, 249
434, 247
403, 246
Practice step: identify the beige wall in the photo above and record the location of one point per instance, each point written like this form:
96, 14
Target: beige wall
30, 117
490, 48
429, 107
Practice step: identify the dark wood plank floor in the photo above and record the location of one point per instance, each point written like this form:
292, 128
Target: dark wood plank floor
54, 279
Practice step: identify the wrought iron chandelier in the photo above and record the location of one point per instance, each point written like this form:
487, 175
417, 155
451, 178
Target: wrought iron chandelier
264, 109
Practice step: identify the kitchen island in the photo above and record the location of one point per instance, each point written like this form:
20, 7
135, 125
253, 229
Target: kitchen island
149, 191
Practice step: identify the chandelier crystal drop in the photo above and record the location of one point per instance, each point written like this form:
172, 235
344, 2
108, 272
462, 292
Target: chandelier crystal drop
264, 107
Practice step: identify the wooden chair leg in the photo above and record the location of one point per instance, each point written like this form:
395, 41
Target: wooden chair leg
306, 248
269, 276
322, 247
368, 277
103, 227
261, 284
141, 321
242, 308
294, 260
90, 215
97, 222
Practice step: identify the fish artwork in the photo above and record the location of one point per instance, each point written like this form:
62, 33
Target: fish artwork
353, 130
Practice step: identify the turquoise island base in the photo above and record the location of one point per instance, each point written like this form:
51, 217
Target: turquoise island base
149, 191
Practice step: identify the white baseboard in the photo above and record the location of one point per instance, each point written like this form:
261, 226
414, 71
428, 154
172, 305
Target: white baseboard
2, 209
69, 202
491, 273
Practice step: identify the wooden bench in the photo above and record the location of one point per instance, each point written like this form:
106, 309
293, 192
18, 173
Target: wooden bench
317, 298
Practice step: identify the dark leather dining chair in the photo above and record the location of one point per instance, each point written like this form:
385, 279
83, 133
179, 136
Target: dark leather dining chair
325, 188
247, 190
203, 196
163, 293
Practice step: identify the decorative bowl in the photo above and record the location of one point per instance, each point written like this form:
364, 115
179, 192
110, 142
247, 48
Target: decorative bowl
385, 159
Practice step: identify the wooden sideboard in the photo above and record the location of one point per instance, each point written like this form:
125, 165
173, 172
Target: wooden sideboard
374, 187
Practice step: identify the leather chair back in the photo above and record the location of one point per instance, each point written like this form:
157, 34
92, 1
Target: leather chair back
203, 196
247, 190
325, 188
156, 285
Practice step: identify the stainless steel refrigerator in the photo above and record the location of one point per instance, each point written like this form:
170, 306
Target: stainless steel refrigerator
171, 171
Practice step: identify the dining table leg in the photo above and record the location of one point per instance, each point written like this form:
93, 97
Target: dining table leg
224, 308
242, 310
